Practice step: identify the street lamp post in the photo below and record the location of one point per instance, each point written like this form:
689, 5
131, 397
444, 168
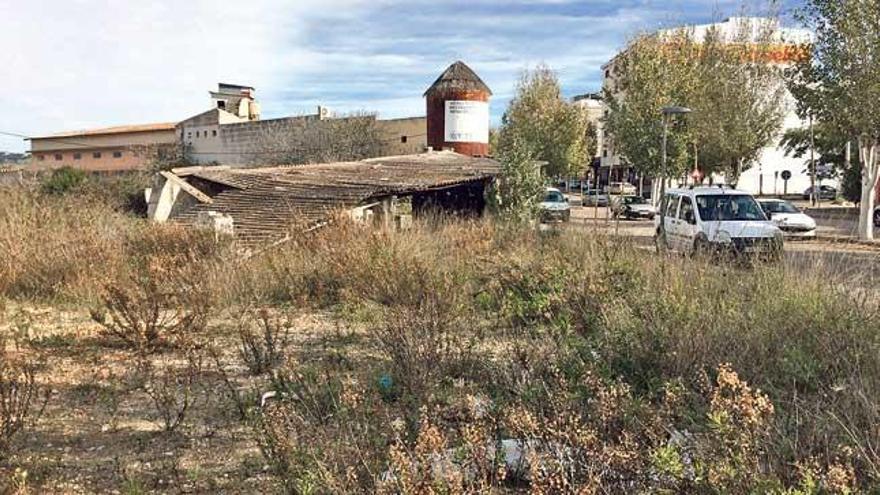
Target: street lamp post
668, 112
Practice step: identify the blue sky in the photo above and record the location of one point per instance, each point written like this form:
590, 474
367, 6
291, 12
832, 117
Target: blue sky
90, 63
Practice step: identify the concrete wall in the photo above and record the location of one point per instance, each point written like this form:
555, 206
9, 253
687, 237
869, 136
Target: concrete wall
246, 143
403, 136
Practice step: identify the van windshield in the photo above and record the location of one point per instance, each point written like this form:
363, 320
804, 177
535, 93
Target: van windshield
729, 208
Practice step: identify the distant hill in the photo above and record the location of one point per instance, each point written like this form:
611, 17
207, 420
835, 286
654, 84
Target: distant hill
7, 158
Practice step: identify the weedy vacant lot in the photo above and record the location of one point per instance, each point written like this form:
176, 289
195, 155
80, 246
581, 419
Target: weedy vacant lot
454, 357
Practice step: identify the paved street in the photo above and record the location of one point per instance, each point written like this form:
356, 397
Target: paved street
842, 261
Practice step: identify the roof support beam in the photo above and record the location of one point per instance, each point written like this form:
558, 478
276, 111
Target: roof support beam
186, 186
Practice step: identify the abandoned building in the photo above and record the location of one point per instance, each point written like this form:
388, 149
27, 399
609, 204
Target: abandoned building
263, 206
232, 132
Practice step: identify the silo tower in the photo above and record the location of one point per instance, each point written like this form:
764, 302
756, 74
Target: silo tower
458, 111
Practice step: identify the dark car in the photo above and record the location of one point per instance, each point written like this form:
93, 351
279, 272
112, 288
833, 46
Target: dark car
825, 192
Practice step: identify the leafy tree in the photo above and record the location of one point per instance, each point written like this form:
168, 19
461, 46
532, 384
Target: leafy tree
552, 127
737, 101
519, 190
830, 149
840, 84
647, 77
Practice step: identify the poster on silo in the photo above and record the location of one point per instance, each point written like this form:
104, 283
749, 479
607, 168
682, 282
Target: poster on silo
467, 121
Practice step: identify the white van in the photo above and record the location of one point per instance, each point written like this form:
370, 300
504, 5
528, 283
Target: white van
717, 220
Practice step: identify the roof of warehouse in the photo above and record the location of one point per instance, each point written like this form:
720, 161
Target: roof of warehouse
267, 202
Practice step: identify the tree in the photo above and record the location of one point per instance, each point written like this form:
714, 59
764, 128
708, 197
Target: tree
552, 127
840, 83
737, 100
519, 190
309, 139
647, 76
830, 147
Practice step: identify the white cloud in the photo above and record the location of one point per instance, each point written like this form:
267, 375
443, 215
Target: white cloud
86, 63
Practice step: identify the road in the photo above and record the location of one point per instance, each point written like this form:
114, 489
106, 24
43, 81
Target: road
840, 261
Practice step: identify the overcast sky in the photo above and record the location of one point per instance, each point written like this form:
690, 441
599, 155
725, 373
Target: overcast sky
73, 64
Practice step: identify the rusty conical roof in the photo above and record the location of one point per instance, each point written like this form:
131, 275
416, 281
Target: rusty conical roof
458, 76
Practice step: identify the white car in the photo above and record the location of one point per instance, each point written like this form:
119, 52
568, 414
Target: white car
554, 207
620, 188
633, 207
717, 220
793, 222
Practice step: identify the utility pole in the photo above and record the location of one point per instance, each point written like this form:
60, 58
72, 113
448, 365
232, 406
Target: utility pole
814, 194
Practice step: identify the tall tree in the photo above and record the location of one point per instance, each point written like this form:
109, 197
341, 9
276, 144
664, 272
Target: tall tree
737, 100
840, 83
646, 77
554, 128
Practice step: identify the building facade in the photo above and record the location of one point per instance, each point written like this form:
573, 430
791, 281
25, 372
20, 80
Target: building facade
764, 176
110, 149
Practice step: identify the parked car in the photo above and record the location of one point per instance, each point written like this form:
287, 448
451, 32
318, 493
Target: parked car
791, 221
825, 192
632, 207
554, 207
716, 220
623, 188
594, 197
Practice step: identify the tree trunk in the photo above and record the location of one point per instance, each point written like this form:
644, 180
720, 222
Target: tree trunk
870, 169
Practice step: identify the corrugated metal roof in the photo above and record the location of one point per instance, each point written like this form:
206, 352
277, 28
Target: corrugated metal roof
266, 203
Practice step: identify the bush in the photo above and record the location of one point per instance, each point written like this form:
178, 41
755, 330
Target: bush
171, 386
262, 349
18, 396
64, 180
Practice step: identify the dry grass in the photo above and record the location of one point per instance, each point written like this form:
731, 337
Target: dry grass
409, 362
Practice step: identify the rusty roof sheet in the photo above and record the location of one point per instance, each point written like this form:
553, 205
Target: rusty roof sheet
265, 203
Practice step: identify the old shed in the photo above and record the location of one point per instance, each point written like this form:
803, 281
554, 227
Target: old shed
266, 205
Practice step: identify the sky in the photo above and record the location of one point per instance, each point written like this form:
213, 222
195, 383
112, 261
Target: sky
77, 64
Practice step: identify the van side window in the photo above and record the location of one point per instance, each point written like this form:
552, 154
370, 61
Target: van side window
686, 211
671, 205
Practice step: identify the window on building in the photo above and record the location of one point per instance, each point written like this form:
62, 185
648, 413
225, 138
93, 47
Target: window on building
96, 154
189, 134
117, 154
59, 157
221, 104
214, 133
403, 139
40, 158
607, 73
605, 153
77, 156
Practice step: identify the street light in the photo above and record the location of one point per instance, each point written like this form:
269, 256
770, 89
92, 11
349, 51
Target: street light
667, 113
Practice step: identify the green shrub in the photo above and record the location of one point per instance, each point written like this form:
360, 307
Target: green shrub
63, 180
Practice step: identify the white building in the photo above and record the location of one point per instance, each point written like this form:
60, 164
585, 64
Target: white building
765, 175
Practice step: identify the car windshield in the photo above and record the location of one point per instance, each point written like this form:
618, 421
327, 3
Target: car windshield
778, 207
634, 200
729, 208
554, 197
